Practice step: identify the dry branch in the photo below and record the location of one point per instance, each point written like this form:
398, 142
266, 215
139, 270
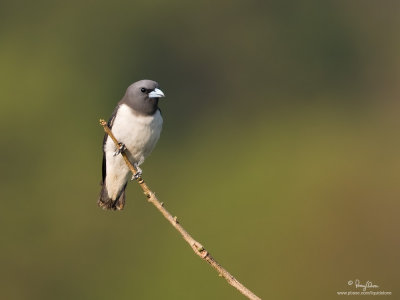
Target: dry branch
196, 246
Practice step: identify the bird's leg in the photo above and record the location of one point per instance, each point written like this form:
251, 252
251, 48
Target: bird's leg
138, 173
121, 148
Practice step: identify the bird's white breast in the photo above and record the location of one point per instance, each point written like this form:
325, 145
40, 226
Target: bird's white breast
139, 134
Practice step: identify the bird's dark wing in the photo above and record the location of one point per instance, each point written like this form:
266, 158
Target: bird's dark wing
110, 125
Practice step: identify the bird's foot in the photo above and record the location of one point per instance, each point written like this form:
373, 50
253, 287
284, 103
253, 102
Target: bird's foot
136, 176
121, 148
138, 173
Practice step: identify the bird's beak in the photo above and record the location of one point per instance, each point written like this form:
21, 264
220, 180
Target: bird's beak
157, 93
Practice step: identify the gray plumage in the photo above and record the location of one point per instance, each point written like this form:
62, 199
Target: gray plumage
136, 122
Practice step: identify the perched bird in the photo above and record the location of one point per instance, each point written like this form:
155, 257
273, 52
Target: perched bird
136, 123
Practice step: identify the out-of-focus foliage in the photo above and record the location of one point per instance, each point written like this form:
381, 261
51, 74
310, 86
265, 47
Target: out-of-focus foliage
280, 150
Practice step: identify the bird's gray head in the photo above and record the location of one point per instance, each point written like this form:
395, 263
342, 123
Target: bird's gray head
142, 96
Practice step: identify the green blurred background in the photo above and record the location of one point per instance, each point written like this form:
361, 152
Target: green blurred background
280, 147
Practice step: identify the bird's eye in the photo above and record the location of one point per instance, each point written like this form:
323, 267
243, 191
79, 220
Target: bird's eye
143, 90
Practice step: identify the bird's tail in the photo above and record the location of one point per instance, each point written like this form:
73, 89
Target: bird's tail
107, 203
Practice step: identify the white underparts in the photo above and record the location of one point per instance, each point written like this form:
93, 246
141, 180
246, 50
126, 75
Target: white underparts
140, 135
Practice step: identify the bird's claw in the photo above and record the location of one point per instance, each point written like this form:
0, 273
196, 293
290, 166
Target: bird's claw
137, 175
121, 148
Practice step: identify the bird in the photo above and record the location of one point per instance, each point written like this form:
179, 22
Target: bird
136, 123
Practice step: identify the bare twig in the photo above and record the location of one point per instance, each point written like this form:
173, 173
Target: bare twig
196, 246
